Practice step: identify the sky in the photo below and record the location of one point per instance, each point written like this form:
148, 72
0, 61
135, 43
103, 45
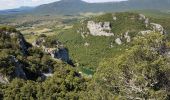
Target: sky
9, 4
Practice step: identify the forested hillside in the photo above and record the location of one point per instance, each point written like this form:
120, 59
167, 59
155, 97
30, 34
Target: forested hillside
28, 72
114, 56
75, 7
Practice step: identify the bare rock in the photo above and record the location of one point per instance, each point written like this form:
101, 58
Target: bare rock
3, 79
146, 22
111, 45
107, 26
127, 37
142, 17
145, 32
118, 41
58, 51
86, 44
114, 18
157, 28
99, 29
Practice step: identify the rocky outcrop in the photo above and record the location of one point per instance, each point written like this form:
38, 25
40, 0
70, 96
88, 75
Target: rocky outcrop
99, 29
105, 29
154, 28
145, 32
18, 37
146, 22
157, 27
57, 52
38, 42
144, 19
16, 72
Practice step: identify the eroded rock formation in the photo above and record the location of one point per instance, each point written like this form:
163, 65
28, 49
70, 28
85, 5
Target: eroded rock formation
99, 29
157, 28
58, 51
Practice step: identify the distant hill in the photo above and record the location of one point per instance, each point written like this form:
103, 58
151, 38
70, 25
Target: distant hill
22, 9
67, 7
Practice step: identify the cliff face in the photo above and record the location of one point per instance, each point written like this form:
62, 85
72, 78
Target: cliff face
19, 59
121, 26
99, 29
12, 43
13, 39
53, 47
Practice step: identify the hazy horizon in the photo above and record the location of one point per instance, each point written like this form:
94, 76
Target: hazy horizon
10, 4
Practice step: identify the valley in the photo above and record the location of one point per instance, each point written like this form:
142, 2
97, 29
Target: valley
94, 51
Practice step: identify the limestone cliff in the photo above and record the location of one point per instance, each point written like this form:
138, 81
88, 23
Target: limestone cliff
53, 47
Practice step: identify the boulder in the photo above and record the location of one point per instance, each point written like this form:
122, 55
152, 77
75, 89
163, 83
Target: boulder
127, 37
86, 44
118, 41
114, 18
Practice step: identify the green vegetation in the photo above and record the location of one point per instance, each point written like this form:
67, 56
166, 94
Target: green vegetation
103, 69
65, 84
23, 72
140, 72
99, 47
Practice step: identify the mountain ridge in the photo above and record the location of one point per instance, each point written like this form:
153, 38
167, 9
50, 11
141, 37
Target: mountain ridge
66, 7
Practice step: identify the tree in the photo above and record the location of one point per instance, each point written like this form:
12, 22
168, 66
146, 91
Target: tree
139, 73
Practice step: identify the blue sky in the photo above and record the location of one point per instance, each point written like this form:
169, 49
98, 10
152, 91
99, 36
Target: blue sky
9, 4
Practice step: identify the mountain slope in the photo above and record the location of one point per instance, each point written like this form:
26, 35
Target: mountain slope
19, 59
78, 6
67, 7
16, 11
89, 42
